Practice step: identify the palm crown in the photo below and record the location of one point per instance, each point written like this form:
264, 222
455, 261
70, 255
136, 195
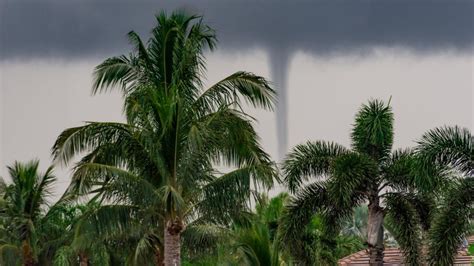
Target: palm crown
162, 160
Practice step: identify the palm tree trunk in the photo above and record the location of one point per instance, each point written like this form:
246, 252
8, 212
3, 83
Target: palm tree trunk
27, 254
375, 232
173, 231
83, 260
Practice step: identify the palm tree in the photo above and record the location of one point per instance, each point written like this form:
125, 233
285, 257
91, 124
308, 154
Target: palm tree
368, 172
451, 147
23, 209
160, 163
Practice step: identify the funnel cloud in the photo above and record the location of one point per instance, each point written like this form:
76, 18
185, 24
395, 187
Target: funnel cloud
97, 29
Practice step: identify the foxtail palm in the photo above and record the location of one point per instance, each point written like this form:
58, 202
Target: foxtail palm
161, 161
23, 208
369, 171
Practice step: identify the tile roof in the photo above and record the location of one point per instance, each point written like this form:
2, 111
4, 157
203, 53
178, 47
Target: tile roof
393, 256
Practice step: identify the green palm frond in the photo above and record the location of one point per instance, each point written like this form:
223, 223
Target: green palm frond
453, 146
87, 138
227, 193
253, 89
451, 224
310, 159
254, 245
350, 174
112, 183
299, 212
398, 170
204, 237
405, 226
172, 201
118, 71
105, 222
65, 256
145, 249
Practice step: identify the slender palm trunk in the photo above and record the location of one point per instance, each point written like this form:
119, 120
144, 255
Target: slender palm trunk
375, 232
173, 231
83, 259
27, 254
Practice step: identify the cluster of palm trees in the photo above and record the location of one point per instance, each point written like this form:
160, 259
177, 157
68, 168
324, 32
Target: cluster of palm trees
183, 176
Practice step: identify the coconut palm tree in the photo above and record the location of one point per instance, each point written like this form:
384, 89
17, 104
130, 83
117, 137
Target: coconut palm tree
369, 172
23, 210
159, 165
452, 147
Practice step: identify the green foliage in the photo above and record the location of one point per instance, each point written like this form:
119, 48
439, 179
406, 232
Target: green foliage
23, 209
470, 250
453, 146
404, 182
159, 166
310, 159
404, 222
372, 133
451, 224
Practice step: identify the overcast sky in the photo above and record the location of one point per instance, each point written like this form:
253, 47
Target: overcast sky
326, 59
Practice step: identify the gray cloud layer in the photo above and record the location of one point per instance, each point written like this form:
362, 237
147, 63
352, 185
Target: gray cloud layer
86, 28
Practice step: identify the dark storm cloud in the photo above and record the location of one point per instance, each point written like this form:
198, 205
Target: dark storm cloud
86, 28
78, 29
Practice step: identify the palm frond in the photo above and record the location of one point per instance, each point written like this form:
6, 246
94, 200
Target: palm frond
451, 224
251, 88
104, 222
86, 138
204, 237
453, 146
310, 159
405, 224
351, 174
121, 71
298, 214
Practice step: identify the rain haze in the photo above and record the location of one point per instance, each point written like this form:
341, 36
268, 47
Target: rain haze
325, 58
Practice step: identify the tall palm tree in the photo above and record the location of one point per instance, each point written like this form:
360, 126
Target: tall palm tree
451, 147
23, 209
369, 171
161, 161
